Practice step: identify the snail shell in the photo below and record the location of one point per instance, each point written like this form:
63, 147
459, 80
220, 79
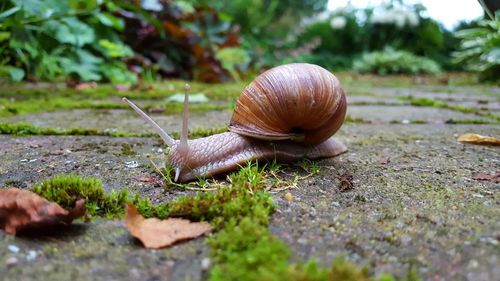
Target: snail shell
300, 102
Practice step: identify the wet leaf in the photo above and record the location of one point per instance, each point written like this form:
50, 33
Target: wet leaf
486, 177
22, 210
478, 139
155, 233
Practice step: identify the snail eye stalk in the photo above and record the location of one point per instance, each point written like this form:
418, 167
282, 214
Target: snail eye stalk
165, 137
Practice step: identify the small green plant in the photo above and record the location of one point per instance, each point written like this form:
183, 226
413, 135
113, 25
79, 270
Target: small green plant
480, 48
390, 61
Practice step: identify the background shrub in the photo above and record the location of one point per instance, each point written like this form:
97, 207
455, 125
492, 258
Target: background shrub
390, 61
480, 48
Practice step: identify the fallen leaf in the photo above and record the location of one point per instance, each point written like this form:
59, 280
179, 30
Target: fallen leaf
478, 139
155, 233
149, 179
486, 177
24, 210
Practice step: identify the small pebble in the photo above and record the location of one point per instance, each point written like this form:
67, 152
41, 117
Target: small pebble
473, 264
205, 263
13, 248
131, 164
31, 256
302, 241
289, 197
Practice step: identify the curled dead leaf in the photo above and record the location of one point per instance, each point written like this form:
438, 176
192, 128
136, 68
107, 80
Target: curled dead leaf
155, 233
22, 210
478, 139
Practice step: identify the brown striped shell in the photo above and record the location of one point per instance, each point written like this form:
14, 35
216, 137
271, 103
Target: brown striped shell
301, 102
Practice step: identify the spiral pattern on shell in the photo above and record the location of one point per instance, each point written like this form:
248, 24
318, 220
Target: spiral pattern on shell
299, 101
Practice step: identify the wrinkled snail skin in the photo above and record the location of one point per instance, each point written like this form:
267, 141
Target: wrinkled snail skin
225, 152
286, 114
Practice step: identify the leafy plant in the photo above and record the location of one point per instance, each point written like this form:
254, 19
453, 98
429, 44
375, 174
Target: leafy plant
54, 40
480, 48
390, 61
115, 41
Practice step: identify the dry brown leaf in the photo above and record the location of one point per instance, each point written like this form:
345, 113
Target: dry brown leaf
486, 177
155, 233
478, 139
22, 210
149, 179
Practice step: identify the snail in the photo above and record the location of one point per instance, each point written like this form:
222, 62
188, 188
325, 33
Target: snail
287, 113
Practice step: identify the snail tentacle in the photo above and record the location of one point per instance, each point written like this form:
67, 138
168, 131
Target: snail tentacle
183, 148
164, 136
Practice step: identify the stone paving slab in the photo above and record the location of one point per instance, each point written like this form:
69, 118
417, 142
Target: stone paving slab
125, 120
422, 208
387, 114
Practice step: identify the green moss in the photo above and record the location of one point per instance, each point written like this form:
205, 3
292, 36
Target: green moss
244, 250
200, 132
19, 99
23, 129
127, 149
235, 202
65, 190
9, 108
26, 129
459, 108
355, 120
469, 121
428, 102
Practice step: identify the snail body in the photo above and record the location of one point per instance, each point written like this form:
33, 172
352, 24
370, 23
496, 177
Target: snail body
287, 113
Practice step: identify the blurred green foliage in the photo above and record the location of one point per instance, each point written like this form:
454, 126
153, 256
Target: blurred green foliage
116, 41
52, 39
127, 42
480, 48
390, 61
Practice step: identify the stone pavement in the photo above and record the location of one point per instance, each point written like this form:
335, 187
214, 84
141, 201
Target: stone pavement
414, 201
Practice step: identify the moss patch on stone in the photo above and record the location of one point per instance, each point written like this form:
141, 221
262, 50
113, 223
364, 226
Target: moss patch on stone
25, 129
